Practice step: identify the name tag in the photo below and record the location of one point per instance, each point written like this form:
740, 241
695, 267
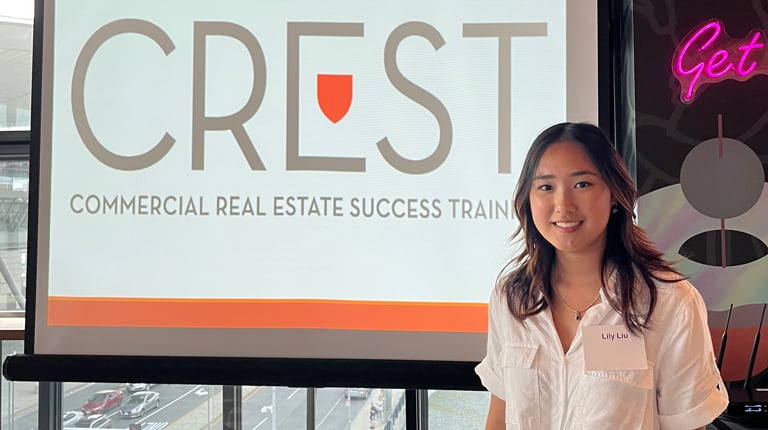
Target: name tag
612, 347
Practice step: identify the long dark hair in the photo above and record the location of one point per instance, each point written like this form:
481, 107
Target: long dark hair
628, 251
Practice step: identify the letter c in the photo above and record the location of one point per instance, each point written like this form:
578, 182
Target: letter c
72, 203
107, 157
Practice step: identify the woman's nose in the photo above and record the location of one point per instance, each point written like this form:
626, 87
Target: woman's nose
564, 202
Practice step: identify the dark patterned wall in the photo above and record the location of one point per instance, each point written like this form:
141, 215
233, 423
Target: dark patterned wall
713, 221
668, 129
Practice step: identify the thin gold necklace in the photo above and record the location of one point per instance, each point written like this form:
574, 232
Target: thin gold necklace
579, 313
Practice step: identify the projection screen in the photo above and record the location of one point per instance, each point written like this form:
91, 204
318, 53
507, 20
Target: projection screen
294, 179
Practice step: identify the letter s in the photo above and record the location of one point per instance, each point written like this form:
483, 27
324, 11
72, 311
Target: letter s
420, 96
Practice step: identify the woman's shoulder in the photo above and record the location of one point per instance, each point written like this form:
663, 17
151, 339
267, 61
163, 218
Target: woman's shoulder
668, 284
504, 283
672, 284
675, 294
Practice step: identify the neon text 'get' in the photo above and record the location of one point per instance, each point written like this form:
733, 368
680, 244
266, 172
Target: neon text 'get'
707, 55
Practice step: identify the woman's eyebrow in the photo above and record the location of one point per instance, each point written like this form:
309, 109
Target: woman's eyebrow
583, 173
574, 174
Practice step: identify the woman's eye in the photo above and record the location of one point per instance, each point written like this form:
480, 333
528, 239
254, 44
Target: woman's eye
582, 184
545, 187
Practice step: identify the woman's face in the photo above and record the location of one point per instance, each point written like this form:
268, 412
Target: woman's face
570, 202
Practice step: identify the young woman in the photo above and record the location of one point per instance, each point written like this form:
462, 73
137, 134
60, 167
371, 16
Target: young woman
589, 328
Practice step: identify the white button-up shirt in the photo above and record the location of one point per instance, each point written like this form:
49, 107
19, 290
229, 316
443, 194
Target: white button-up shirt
545, 388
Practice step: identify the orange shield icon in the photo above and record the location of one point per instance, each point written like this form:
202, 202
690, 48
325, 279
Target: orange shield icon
334, 95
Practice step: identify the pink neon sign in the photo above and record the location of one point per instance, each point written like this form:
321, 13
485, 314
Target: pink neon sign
708, 55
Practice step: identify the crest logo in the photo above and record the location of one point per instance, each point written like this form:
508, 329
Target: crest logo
334, 95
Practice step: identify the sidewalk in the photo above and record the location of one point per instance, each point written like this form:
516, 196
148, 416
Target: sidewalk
363, 419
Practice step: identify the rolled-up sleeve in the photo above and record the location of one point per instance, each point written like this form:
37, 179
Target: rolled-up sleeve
690, 392
489, 369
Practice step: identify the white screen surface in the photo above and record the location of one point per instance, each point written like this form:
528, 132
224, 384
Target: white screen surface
333, 175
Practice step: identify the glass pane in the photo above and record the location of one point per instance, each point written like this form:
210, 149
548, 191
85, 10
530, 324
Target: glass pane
458, 410
16, 60
141, 405
359, 409
271, 408
391, 404
14, 199
19, 399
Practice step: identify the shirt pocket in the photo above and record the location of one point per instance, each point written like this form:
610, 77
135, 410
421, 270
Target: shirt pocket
521, 386
616, 399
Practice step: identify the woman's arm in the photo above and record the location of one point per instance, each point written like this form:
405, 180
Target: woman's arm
689, 390
495, 419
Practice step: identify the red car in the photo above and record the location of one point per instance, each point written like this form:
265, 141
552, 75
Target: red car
102, 402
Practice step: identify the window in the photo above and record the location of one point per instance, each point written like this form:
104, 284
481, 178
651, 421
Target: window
16, 60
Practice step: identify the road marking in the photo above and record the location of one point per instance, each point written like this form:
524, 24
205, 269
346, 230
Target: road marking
294, 393
260, 423
168, 404
329, 412
154, 426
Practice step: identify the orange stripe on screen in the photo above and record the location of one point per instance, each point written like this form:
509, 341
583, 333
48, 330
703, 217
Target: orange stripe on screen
272, 314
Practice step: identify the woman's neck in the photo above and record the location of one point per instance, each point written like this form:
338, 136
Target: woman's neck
577, 270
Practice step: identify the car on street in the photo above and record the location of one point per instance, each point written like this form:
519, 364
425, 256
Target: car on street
102, 401
359, 393
69, 418
139, 403
134, 387
97, 421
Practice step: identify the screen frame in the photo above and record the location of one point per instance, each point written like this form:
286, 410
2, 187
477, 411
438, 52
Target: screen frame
299, 372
